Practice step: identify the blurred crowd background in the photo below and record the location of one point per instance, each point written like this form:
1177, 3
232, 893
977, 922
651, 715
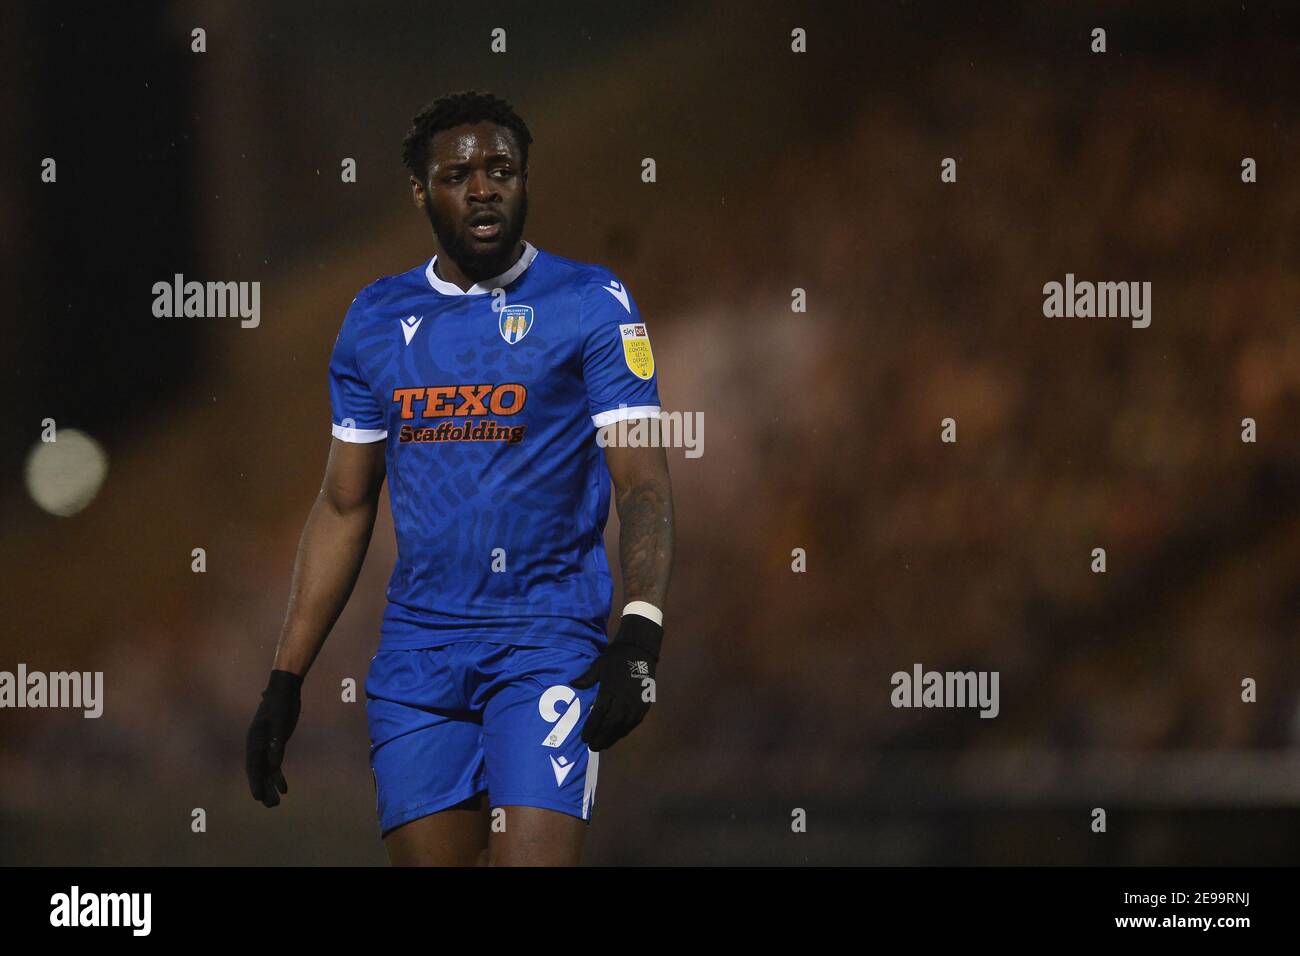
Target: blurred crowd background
776, 171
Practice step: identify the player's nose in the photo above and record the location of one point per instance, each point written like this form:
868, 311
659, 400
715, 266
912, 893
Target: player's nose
481, 185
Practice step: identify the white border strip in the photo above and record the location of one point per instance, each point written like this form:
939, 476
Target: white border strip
602, 419
360, 436
589, 782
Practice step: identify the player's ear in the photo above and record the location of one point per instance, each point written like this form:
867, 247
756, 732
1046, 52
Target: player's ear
417, 193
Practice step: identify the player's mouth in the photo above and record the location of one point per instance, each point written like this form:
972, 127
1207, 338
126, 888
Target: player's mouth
485, 228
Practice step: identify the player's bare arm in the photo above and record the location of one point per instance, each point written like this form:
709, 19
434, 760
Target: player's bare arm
330, 554
626, 670
643, 497
331, 551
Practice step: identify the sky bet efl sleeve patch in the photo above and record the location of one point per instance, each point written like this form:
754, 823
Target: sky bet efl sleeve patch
636, 350
615, 341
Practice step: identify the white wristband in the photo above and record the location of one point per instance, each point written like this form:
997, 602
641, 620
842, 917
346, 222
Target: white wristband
645, 609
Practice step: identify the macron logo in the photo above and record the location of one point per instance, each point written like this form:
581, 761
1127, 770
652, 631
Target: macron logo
409, 326
618, 292
561, 768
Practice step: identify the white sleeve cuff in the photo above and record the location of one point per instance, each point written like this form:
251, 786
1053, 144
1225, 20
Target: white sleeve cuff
623, 413
360, 436
645, 609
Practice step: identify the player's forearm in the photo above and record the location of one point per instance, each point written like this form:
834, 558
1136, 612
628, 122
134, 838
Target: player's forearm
330, 555
645, 544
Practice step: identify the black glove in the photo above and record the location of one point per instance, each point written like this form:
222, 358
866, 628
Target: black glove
628, 660
274, 721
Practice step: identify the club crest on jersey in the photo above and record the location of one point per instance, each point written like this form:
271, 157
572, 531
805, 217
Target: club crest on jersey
636, 349
514, 322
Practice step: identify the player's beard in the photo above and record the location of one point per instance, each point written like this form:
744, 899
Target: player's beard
474, 263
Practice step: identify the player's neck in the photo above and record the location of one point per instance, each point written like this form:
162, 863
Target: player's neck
448, 270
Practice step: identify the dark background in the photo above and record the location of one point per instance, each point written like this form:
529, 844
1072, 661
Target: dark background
776, 171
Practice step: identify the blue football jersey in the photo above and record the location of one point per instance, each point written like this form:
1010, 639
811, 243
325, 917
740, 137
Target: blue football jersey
489, 405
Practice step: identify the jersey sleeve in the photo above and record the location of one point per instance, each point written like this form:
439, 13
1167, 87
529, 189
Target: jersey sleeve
617, 363
357, 417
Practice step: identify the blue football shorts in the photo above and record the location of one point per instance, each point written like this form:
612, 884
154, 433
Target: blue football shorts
452, 721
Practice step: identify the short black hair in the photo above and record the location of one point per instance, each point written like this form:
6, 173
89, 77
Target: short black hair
467, 106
